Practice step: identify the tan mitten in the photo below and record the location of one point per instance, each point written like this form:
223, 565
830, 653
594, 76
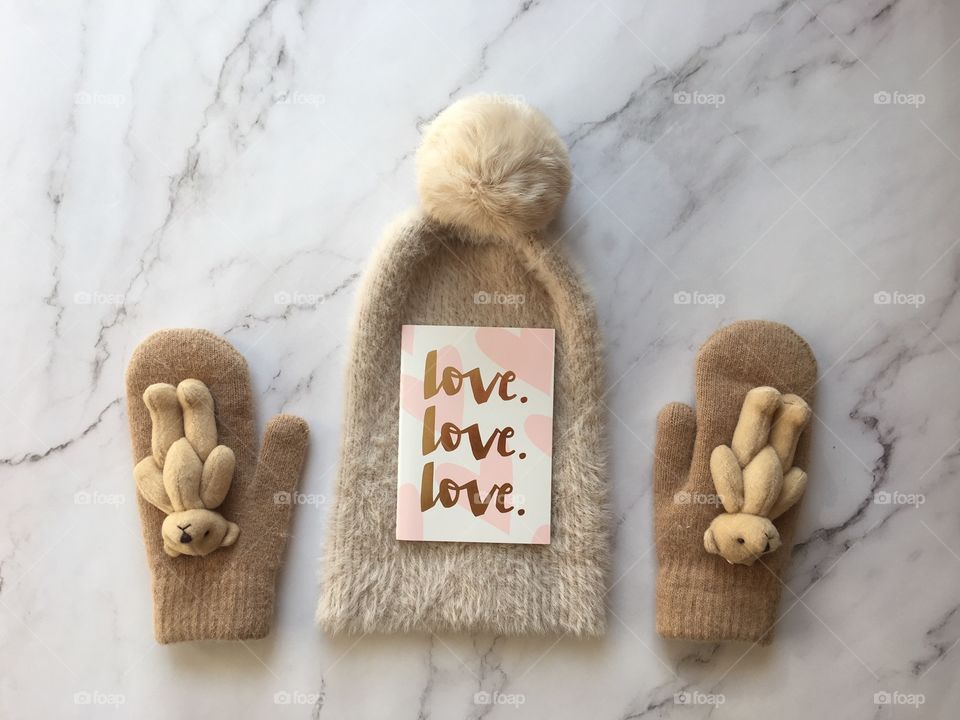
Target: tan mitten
214, 514
727, 481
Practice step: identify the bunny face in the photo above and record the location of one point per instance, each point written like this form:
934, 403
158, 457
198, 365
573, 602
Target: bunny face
187, 474
754, 476
741, 538
197, 532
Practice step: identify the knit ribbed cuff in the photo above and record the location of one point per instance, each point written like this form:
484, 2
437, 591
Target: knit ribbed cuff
234, 608
694, 602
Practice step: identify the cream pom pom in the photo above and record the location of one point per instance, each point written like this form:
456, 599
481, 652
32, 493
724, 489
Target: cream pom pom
494, 167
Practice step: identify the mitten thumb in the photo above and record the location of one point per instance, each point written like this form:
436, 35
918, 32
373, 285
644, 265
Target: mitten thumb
271, 496
282, 456
673, 450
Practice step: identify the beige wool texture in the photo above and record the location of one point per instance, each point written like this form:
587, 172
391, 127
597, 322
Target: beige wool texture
701, 596
429, 269
229, 594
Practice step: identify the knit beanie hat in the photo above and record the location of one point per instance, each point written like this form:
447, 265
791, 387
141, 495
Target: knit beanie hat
491, 176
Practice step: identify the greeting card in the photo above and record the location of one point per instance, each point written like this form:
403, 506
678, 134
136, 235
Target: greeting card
476, 434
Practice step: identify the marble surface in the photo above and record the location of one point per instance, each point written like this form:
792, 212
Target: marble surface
231, 165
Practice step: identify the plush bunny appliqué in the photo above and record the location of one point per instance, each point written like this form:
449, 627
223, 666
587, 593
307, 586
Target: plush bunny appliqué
754, 476
187, 474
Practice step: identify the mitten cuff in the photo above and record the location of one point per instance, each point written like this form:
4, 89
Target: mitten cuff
696, 602
232, 608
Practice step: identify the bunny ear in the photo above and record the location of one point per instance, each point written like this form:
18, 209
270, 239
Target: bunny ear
762, 482
149, 479
753, 426
794, 483
165, 417
217, 476
727, 478
199, 423
788, 424
181, 476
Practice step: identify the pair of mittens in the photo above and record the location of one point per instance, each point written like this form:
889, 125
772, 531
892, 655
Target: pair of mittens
728, 477
214, 511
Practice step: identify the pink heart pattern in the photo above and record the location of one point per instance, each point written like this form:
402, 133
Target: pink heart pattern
529, 354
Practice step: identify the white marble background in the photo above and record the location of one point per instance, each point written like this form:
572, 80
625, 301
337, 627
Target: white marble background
231, 165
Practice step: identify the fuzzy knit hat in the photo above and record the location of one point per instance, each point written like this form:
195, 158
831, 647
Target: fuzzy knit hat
491, 176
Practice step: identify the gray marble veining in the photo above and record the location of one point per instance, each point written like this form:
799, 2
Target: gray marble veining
231, 166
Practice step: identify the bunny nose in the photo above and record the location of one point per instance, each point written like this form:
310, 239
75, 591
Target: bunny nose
766, 549
184, 535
